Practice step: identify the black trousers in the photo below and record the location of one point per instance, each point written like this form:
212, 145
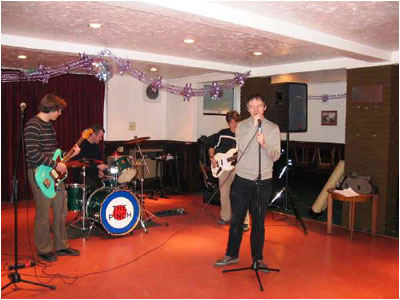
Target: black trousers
243, 197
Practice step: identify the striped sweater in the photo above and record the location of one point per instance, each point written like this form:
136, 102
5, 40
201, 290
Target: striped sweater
40, 143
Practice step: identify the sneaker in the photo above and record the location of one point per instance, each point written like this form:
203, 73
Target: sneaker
246, 227
261, 264
49, 256
69, 251
223, 222
226, 260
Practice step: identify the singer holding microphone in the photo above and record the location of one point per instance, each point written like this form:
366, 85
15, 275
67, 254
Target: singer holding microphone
250, 133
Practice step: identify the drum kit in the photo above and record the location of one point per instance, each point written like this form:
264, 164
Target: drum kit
116, 206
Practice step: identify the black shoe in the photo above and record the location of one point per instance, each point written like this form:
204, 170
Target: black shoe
49, 256
223, 222
313, 214
69, 251
261, 264
226, 260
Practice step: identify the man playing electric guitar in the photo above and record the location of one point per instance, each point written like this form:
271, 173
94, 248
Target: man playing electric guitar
221, 149
41, 143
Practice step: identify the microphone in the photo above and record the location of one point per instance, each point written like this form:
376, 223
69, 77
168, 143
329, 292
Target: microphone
259, 125
22, 106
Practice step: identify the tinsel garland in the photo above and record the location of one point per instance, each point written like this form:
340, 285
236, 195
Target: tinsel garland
103, 72
326, 97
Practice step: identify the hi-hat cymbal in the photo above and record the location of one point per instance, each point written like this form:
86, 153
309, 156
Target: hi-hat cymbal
76, 164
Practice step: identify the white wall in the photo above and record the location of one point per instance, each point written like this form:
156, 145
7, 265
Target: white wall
181, 118
208, 125
175, 119
125, 103
316, 132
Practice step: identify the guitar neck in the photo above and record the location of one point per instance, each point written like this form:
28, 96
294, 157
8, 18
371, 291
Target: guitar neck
67, 157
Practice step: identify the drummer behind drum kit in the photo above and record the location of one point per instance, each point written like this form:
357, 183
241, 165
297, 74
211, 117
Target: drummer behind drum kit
114, 206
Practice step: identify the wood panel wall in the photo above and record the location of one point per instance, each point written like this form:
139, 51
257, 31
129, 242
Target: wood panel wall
372, 141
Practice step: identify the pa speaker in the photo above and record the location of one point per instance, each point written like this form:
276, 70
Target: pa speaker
287, 106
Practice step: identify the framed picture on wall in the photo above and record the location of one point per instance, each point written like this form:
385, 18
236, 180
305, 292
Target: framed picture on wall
218, 106
329, 117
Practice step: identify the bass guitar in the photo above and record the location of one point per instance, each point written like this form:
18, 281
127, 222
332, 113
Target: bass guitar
48, 178
225, 162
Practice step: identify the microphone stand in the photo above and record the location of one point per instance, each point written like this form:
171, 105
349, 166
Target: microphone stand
15, 277
254, 265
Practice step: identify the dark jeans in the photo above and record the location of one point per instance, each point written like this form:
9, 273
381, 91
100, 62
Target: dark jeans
243, 197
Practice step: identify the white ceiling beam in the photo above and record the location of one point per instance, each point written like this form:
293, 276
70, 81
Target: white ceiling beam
317, 65
284, 29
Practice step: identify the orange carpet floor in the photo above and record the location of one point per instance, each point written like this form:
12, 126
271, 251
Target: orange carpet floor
176, 261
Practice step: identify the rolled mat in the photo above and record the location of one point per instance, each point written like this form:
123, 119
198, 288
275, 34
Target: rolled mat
321, 202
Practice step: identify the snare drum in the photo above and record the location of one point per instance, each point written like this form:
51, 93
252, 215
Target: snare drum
118, 211
110, 181
124, 168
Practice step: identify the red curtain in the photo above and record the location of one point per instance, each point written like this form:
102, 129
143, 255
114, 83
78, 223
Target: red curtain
84, 95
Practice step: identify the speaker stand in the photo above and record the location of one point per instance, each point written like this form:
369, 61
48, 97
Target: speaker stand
286, 189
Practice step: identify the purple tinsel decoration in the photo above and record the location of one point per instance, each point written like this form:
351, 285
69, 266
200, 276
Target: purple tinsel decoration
241, 78
124, 66
216, 91
187, 92
104, 72
156, 85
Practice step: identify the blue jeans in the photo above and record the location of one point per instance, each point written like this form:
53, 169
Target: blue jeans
243, 197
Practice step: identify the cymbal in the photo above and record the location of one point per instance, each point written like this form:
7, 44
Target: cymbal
133, 141
91, 160
76, 164
138, 140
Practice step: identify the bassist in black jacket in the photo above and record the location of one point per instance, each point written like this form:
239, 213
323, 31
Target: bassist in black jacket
222, 142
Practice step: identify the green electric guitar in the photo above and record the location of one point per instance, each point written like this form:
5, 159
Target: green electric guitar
48, 178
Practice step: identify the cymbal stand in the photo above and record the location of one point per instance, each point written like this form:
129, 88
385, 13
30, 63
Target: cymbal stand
83, 216
143, 210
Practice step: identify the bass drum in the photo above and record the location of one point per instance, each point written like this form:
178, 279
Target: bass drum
118, 211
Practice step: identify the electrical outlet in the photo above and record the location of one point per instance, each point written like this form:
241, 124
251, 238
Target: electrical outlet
132, 126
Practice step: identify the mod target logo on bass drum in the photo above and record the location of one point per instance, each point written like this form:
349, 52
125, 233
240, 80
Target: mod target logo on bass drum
119, 210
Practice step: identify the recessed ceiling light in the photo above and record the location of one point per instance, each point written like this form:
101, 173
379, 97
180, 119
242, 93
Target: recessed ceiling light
188, 41
257, 53
22, 56
153, 69
95, 25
